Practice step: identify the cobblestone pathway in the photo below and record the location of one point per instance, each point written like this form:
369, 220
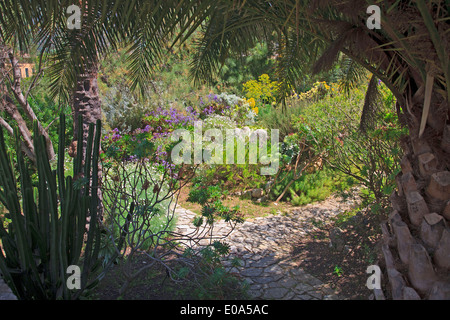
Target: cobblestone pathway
264, 246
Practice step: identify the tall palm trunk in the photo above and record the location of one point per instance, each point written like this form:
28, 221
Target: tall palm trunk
85, 98
417, 237
86, 103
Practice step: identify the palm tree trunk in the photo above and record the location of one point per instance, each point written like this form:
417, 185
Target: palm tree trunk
416, 236
86, 102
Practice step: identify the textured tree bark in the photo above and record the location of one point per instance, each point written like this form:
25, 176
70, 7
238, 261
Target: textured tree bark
7, 105
418, 249
85, 102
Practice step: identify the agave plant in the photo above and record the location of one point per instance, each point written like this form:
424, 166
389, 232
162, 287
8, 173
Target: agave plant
45, 228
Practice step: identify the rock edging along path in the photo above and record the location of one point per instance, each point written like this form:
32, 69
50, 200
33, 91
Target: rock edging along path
264, 245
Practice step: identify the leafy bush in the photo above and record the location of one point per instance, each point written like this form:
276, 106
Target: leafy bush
243, 173
151, 136
47, 111
317, 92
277, 118
237, 70
210, 198
312, 186
121, 109
170, 88
165, 120
370, 157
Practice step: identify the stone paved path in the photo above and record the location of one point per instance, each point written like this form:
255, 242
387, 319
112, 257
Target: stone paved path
264, 245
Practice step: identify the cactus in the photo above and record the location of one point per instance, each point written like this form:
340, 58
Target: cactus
47, 225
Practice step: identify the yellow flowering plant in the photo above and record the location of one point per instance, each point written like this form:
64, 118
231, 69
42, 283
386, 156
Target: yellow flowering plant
317, 92
262, 90
251, 102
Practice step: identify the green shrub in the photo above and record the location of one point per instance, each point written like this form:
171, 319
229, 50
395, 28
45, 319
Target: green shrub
313, 186
122, 110
238, 70
276, 118
234, 176
370, 157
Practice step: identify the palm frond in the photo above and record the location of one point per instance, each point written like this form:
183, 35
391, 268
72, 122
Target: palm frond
352, 73
142, 25
396, 53
223, 36
292, 62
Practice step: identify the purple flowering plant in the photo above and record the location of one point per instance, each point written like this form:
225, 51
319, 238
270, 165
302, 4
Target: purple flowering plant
151, 141
163, 121
212, 104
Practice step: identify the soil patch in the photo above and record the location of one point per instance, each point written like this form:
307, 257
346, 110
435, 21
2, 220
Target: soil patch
342, 264
250, 209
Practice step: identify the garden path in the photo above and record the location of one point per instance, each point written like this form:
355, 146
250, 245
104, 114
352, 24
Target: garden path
264, 246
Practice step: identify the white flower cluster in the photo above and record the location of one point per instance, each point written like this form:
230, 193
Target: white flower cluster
239, 111
252, 135
230, 99
216, 121
250, 117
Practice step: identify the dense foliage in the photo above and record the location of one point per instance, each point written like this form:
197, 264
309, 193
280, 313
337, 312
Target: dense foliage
323, 149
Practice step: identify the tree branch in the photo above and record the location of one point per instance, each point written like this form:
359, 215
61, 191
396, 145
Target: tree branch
30, 153
17, 91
